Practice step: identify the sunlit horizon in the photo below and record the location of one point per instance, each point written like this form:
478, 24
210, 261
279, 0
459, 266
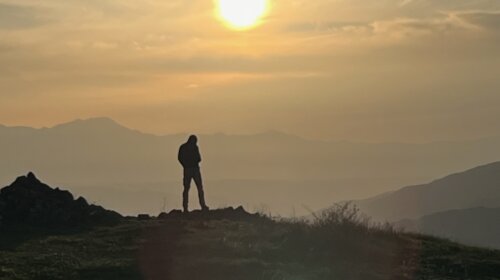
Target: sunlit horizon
404, 71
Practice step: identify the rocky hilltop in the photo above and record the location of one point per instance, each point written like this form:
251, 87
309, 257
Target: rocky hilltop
28, 201
219, 244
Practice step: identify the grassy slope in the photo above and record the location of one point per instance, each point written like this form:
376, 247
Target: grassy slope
244, 249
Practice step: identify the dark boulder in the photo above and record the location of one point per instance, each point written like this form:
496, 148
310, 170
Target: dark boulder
143, 217
28, 201
228, 213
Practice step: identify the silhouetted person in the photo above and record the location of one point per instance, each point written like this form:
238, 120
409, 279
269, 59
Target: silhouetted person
190, 158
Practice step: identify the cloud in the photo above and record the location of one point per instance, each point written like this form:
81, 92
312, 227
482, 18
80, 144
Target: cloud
486, 20
468, 28
193, 86
424, 8
411, 27
20, 17
5, 47
308, 58
100, 45
322, 26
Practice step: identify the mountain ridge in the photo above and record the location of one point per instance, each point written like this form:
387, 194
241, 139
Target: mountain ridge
475, 187
102, 121
102, 153
477, 226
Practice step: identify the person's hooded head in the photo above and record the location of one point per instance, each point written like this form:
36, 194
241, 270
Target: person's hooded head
192, 140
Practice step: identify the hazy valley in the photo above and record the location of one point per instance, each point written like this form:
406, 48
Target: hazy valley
134, 172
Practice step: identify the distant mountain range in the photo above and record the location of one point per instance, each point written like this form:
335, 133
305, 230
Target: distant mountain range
477, 187
475, 226
136, 172
464, 207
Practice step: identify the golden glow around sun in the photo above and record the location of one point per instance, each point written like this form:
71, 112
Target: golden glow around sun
242, 14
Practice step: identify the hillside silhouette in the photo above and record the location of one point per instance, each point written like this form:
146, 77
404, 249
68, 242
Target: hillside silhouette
478, 226
477, 187
230, 243
28, 201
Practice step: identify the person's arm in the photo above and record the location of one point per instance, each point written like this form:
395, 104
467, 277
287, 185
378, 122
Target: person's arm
180, 156
198, 155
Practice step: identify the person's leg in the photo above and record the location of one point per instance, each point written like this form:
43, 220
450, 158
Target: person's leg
199, 185
187, 186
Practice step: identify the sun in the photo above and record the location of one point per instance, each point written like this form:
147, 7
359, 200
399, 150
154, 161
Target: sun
242, 14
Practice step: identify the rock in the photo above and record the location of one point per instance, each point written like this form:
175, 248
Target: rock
228, 213
82, 202
143, 217
176, 212
32, 177
171, 214
162, 215
28, 201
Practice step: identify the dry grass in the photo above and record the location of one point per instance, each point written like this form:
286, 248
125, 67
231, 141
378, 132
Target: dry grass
337, 244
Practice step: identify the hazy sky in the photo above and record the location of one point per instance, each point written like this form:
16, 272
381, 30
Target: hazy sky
368, 70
